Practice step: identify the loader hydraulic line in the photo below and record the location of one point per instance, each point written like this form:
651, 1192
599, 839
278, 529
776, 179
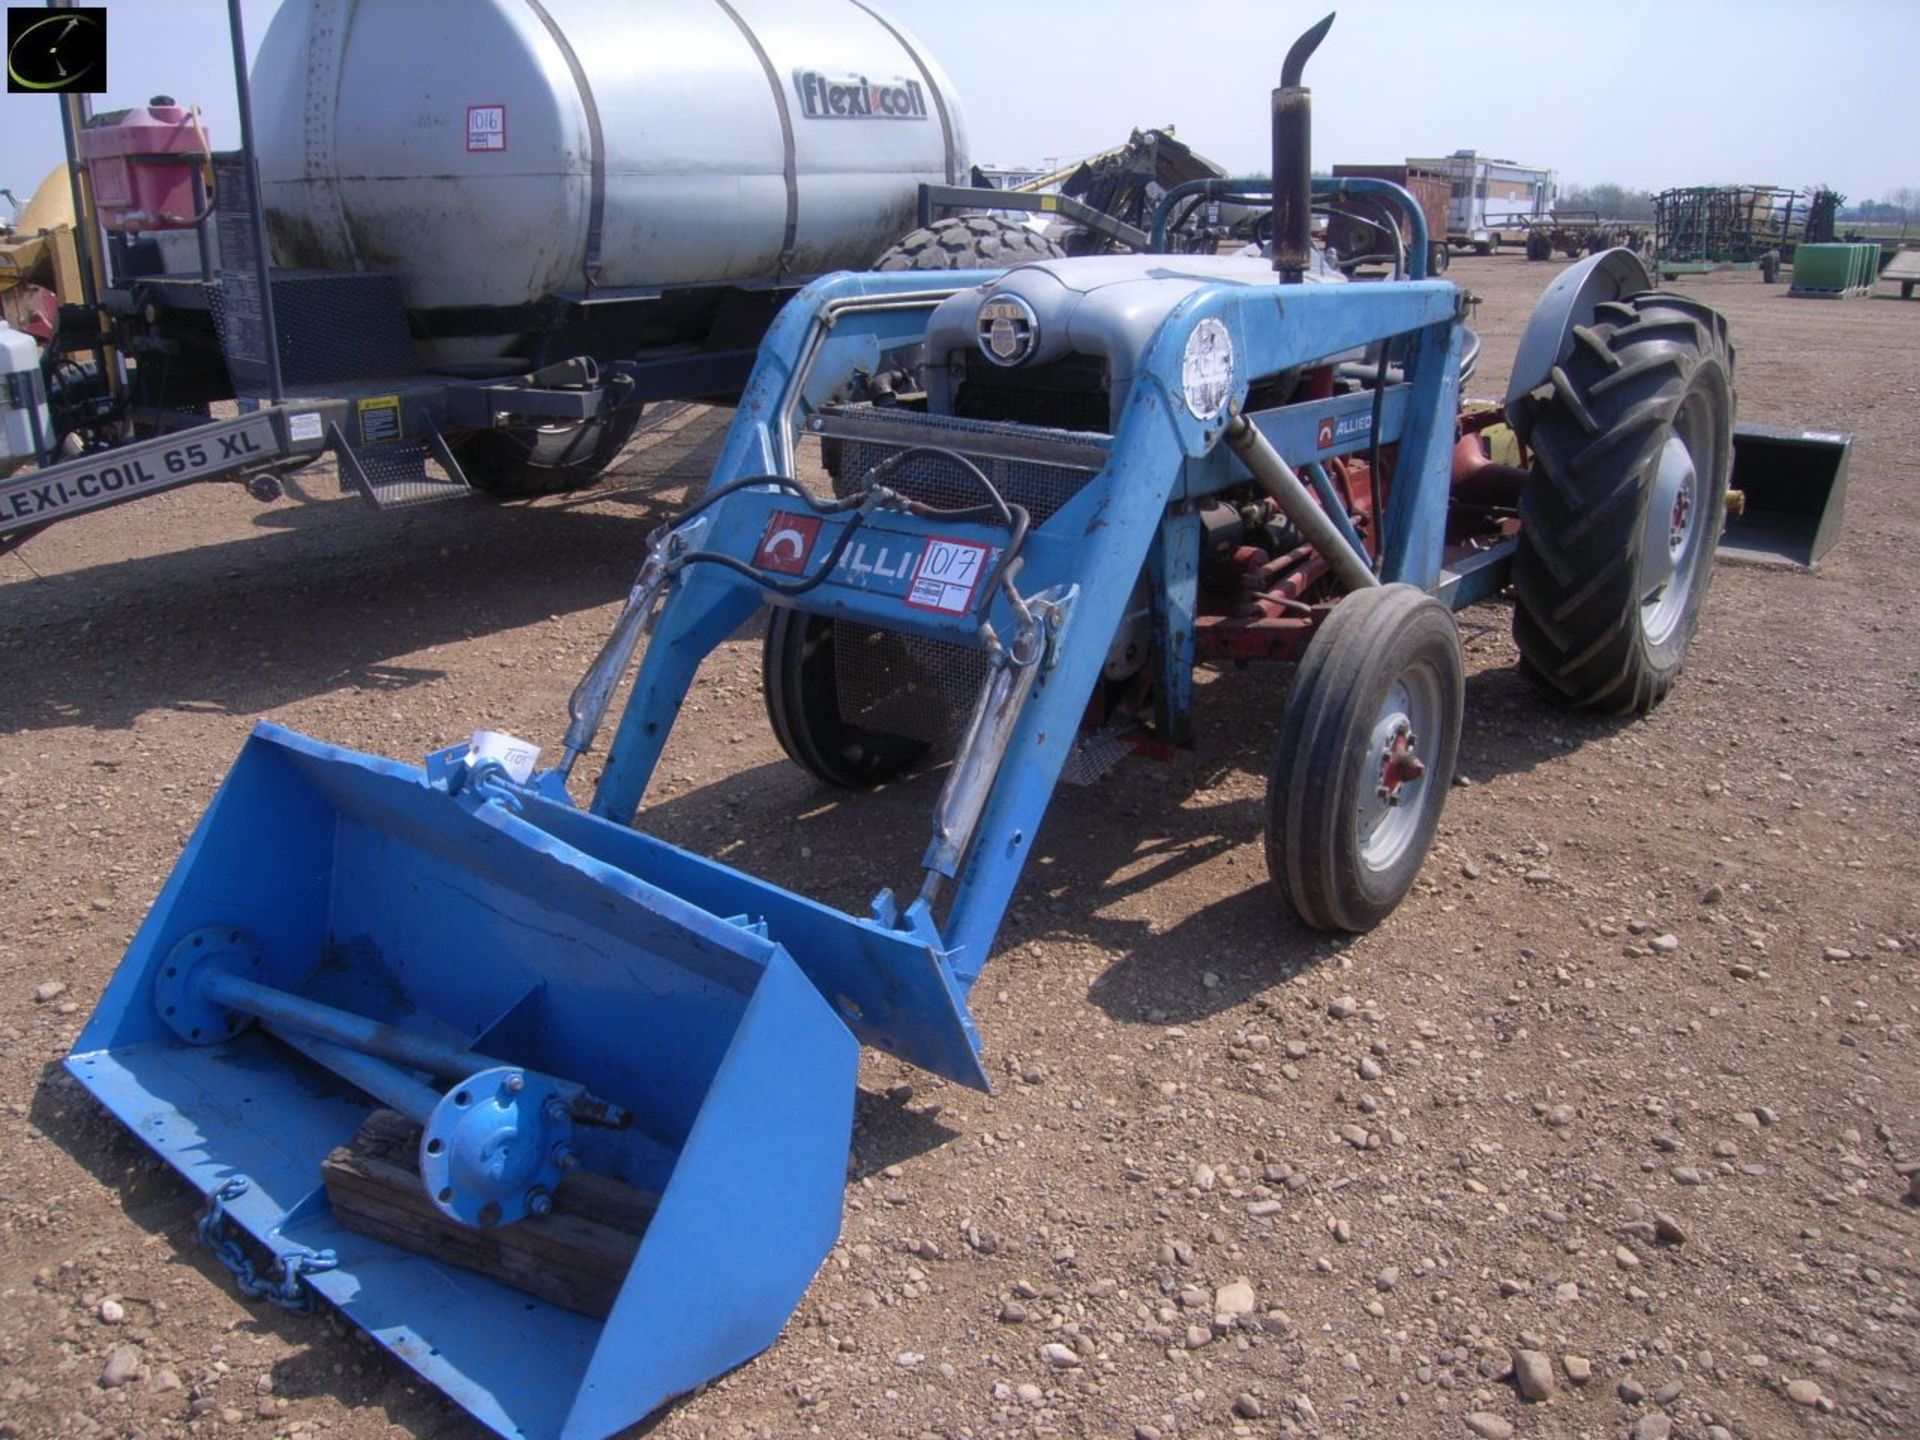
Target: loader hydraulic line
668, 555
872, 496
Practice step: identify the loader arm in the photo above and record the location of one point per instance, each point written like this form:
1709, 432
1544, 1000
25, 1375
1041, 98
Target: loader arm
1079, 565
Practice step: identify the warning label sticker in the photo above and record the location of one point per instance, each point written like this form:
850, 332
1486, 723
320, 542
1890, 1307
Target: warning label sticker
379, 419
950, 571
486, 128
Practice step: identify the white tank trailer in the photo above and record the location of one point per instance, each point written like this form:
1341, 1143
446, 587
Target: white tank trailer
497, 155
638, 180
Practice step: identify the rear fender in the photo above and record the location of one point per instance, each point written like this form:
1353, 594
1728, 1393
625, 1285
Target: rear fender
1617, 274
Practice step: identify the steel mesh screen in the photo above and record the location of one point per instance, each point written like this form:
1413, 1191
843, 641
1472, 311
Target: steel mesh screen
900, 684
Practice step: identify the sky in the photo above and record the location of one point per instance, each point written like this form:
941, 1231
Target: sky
1646, 93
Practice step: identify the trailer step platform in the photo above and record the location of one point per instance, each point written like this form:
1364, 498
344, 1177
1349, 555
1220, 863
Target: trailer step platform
394, 477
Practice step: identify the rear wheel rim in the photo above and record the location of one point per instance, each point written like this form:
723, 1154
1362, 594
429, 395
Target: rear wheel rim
1395, 770
1674, 535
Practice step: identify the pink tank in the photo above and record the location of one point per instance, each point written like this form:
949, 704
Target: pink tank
143, 162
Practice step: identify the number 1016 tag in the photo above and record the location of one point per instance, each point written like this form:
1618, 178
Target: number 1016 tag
949, 574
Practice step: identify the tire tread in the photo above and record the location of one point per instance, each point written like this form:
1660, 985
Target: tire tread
1595, 430
1310, 782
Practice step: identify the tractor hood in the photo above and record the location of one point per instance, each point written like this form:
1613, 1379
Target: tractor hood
1109, 306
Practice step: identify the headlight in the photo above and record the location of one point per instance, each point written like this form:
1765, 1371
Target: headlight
1206, 370
1007, 328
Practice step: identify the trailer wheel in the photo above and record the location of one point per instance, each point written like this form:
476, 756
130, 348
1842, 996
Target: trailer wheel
799, 683
969, 242
1633, 442
1364, 758
1483, 247
1539, 246
1439, 256
529, 460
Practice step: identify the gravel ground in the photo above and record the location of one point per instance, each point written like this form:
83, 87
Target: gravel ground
1606, 1132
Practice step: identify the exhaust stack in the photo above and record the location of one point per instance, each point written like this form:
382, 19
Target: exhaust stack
1293, 161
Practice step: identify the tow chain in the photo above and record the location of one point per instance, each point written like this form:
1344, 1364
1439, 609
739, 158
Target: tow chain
284, 1286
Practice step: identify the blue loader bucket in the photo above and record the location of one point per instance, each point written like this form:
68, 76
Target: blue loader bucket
336, 915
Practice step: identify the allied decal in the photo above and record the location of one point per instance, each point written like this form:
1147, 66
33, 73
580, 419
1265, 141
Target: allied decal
1332, 432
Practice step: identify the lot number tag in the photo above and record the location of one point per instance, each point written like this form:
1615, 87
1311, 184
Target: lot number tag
949, 573
486, 128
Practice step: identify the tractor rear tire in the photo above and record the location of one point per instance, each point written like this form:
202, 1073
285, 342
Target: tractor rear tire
530, 460
968, 242
800, 684
1382, 686
1632, 440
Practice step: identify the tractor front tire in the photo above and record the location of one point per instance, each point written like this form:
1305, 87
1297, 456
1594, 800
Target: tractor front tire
799, 681
1632, 440
1365, 755
529, 460
968, 242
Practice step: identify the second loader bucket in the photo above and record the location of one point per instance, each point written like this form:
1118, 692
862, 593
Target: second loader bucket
1793, 487
340, 929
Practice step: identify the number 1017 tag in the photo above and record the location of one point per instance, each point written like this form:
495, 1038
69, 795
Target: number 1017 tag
949, 574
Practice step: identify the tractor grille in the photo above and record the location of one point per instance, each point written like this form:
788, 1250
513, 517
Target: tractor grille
1070, 393
900, 684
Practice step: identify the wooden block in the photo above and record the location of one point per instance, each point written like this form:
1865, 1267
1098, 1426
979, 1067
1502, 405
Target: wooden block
576, 1257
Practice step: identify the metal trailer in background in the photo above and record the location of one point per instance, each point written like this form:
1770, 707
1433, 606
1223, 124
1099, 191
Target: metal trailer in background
1361, 232
1493, 201
462, 197
1903, 269
1574, 233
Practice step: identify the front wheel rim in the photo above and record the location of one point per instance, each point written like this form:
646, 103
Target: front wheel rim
1396, 769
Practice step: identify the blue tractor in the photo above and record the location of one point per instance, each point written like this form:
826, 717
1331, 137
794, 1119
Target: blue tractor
993, 521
